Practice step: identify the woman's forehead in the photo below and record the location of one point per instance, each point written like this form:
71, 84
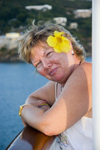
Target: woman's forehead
41, 46
38, 50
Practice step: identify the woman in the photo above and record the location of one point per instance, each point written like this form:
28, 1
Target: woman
63, 106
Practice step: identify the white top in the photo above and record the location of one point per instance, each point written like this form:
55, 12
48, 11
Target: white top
77, 137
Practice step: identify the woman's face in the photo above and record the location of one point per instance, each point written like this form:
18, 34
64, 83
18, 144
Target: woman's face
54, 66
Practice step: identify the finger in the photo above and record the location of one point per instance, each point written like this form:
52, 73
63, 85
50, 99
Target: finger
41, 101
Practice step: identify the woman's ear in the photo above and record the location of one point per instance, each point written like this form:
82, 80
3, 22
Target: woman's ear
72, 51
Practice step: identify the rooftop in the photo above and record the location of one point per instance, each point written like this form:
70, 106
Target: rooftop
39, 7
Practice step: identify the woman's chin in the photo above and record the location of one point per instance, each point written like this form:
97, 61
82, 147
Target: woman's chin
58, 79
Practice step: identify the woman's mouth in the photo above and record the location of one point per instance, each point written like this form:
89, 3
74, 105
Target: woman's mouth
52, 72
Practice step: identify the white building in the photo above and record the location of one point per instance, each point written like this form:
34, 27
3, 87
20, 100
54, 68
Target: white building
60, 20
9, 40
12, 35
83, 13
3, 41
39, 7
73, 25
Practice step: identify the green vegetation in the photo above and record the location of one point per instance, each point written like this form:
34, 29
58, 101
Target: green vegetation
3, 49
14, 16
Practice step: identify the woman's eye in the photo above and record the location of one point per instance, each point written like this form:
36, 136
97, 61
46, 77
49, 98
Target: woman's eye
49, 53
37, 65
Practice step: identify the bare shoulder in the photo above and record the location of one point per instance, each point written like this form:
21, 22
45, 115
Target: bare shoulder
77, 93
80, 82
81, 78
84, 71
80, 85
87, 66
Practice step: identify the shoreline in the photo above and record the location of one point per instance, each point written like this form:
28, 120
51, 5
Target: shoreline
13, 57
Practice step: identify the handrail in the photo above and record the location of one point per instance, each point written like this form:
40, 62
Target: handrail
96, 72
31, 139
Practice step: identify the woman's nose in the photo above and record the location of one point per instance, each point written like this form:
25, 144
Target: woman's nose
46, 63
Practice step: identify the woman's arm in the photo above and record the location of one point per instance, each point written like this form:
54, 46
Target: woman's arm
47, 92
73, 103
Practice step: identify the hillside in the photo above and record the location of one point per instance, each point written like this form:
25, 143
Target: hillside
15, 18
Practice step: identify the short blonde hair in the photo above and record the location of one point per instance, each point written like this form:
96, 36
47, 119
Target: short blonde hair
40, 33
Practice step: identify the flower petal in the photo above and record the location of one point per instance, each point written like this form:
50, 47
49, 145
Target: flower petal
51, 41
59, 42
58, 34
57, 49
65, 46
64, 38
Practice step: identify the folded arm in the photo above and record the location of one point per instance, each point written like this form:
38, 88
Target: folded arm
47, 92
73, 103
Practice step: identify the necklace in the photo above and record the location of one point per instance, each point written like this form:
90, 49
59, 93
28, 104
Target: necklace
80, 62
62, 86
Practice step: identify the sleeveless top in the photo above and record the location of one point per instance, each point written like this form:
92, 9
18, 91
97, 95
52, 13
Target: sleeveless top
77, 137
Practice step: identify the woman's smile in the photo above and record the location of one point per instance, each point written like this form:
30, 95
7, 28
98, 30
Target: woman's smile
53, 71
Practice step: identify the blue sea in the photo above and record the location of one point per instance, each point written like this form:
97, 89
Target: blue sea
17, 81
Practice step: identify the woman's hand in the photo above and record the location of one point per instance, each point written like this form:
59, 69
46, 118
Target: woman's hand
41, 104
44, 106
23, 121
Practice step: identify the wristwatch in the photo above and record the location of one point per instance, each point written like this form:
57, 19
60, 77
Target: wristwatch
21, 107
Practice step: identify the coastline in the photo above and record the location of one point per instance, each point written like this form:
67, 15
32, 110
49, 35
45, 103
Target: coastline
10, 56
13, 56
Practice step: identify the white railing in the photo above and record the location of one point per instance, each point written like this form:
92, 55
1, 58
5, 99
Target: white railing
96, 72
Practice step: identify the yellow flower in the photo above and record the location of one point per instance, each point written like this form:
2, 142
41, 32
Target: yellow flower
59, 42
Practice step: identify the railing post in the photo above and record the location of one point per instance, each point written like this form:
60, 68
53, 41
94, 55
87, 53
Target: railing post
96, 72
